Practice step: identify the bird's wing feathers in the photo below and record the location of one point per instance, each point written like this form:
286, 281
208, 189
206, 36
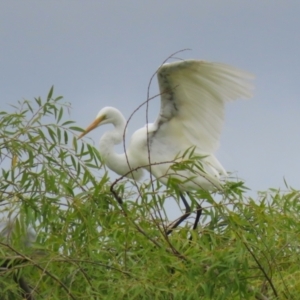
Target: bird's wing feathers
193, 94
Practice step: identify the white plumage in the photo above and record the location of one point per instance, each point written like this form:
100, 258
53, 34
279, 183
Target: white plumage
193, 95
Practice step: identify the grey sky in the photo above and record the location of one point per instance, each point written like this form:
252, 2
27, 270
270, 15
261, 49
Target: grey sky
99, 53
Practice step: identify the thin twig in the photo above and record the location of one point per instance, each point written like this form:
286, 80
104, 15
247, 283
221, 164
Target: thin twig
260, 267
26, 258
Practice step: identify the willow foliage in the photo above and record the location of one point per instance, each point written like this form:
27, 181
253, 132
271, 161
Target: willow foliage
65, 235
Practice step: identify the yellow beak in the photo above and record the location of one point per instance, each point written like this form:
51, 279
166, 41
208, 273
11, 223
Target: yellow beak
92, 126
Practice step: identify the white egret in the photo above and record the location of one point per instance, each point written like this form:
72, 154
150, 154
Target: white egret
193, 94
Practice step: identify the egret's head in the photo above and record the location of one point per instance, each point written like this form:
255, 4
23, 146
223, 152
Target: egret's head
106, 115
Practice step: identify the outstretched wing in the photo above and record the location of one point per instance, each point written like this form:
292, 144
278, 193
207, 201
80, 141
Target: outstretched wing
193, 94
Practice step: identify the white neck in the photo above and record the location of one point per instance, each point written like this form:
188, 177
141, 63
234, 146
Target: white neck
114, 161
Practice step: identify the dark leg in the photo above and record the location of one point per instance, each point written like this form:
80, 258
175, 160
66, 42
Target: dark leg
26, 294
198, 215
26, 291
187, 213
183, 217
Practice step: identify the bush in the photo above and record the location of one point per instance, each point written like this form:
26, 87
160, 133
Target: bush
66, 236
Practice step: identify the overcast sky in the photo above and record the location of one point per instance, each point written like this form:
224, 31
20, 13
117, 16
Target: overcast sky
100, 53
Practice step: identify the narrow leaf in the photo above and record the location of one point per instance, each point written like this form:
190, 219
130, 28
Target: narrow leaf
50, 94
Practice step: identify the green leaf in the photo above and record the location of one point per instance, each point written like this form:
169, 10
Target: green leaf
52, 134
58, 98
67, 123
61, 111
38, 101
58, 134
50, 94
76, 128
66, 137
